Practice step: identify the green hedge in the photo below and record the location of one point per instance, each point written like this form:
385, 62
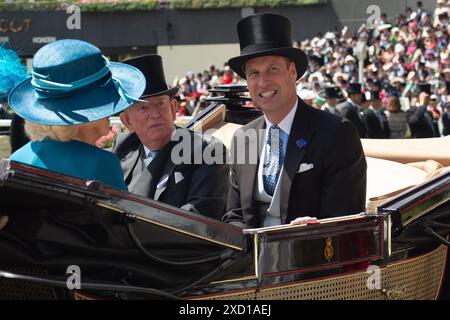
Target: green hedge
144, 5
210, 4
51, 5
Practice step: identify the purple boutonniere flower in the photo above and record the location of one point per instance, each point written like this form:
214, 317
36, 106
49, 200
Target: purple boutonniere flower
301, 143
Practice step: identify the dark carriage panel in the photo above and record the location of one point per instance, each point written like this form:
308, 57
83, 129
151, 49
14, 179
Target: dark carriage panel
332, 246
56, 221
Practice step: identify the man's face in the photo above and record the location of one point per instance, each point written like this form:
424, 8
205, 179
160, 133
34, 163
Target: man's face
151, 121
433, 103
355, 97
377, 104
332, 101
271, 83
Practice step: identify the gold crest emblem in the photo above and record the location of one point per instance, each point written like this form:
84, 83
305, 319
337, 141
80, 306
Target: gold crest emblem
329, 251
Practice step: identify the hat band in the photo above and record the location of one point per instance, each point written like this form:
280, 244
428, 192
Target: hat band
46, 89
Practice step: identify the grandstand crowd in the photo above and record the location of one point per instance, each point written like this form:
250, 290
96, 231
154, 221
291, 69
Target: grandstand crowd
405, 84
405, 87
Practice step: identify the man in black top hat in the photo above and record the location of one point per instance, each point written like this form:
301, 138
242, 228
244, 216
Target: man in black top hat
351, 109
151, 166
420, 120
331, 95
374, 118
298, 161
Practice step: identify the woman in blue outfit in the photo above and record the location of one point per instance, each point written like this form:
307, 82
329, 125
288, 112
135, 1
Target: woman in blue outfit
66, 105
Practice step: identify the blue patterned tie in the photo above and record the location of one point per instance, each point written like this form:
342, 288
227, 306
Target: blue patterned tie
273, 159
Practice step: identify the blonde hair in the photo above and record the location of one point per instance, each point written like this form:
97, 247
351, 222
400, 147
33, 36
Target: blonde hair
39, 132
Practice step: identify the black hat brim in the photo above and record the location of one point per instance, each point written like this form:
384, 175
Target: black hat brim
296, 55
169, 92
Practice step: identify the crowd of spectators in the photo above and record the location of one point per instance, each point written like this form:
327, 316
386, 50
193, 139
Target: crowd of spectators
405, 57
194, 88
406, 68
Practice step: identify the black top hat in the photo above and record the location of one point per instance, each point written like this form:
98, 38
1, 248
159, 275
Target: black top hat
354, 87
330, 92
424, 87
152, 68
264, 35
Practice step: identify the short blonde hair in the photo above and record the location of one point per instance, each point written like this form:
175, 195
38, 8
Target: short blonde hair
39, 132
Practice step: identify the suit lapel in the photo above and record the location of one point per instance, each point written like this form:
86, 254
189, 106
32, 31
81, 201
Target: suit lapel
129, 163
166, 173
141, 184
162, 167
147, 179
299, 139
249, 170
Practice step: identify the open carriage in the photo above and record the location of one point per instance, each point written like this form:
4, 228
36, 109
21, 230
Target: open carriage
71, 239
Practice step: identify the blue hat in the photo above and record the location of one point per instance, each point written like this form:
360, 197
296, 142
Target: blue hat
11, 71
72, 83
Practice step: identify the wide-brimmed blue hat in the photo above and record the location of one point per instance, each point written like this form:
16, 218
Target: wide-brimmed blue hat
73, 83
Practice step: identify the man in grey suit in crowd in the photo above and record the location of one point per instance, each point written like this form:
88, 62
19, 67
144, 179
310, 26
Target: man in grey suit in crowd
150, 166
351, 108
330, 93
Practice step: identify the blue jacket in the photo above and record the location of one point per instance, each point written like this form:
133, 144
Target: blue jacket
74, 158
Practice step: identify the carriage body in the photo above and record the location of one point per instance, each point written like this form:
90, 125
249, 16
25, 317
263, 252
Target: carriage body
125, 246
